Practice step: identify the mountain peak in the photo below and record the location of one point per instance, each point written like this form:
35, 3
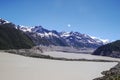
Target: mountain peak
105, 41
38, 27
24, 28
39, 35
2, 21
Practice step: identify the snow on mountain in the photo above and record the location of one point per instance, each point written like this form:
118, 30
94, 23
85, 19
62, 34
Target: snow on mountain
65, 34
2, 21
105, 41
80, 40
40, 35
70, 38
39, 30
25, 28
78, 37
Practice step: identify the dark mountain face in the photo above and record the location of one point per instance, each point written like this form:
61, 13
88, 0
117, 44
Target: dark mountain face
11, 38
39, 29
111, 49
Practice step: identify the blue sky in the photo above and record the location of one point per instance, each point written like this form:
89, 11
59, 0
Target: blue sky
100, 18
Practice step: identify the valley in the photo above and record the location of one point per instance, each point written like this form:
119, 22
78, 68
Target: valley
36, 53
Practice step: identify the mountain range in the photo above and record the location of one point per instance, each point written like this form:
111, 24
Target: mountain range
45, 37
42, 36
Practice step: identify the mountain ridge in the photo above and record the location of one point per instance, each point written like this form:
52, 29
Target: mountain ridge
69, 38
12, 38
42, 36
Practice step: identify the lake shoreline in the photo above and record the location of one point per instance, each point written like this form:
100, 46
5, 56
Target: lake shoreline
112, 74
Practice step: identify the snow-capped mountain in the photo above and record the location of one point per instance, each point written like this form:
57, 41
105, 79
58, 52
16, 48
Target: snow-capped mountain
73, 39
77, 39
104, 41
39, 30
42, 36
2, 21
25, 28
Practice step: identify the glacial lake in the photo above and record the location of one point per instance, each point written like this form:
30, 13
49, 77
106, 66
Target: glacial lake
16, 67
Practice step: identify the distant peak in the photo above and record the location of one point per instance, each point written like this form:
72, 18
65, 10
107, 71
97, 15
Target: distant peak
105, 41
38, 27
3, 21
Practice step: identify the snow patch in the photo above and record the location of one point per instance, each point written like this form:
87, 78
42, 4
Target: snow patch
65, 34
25, 28
2, 21
105, 41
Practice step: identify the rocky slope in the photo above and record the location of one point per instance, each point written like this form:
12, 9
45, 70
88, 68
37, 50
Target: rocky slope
112, 74
111, 49
12, 38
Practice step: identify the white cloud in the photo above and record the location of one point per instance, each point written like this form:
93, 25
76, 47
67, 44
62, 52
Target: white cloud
69, 25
